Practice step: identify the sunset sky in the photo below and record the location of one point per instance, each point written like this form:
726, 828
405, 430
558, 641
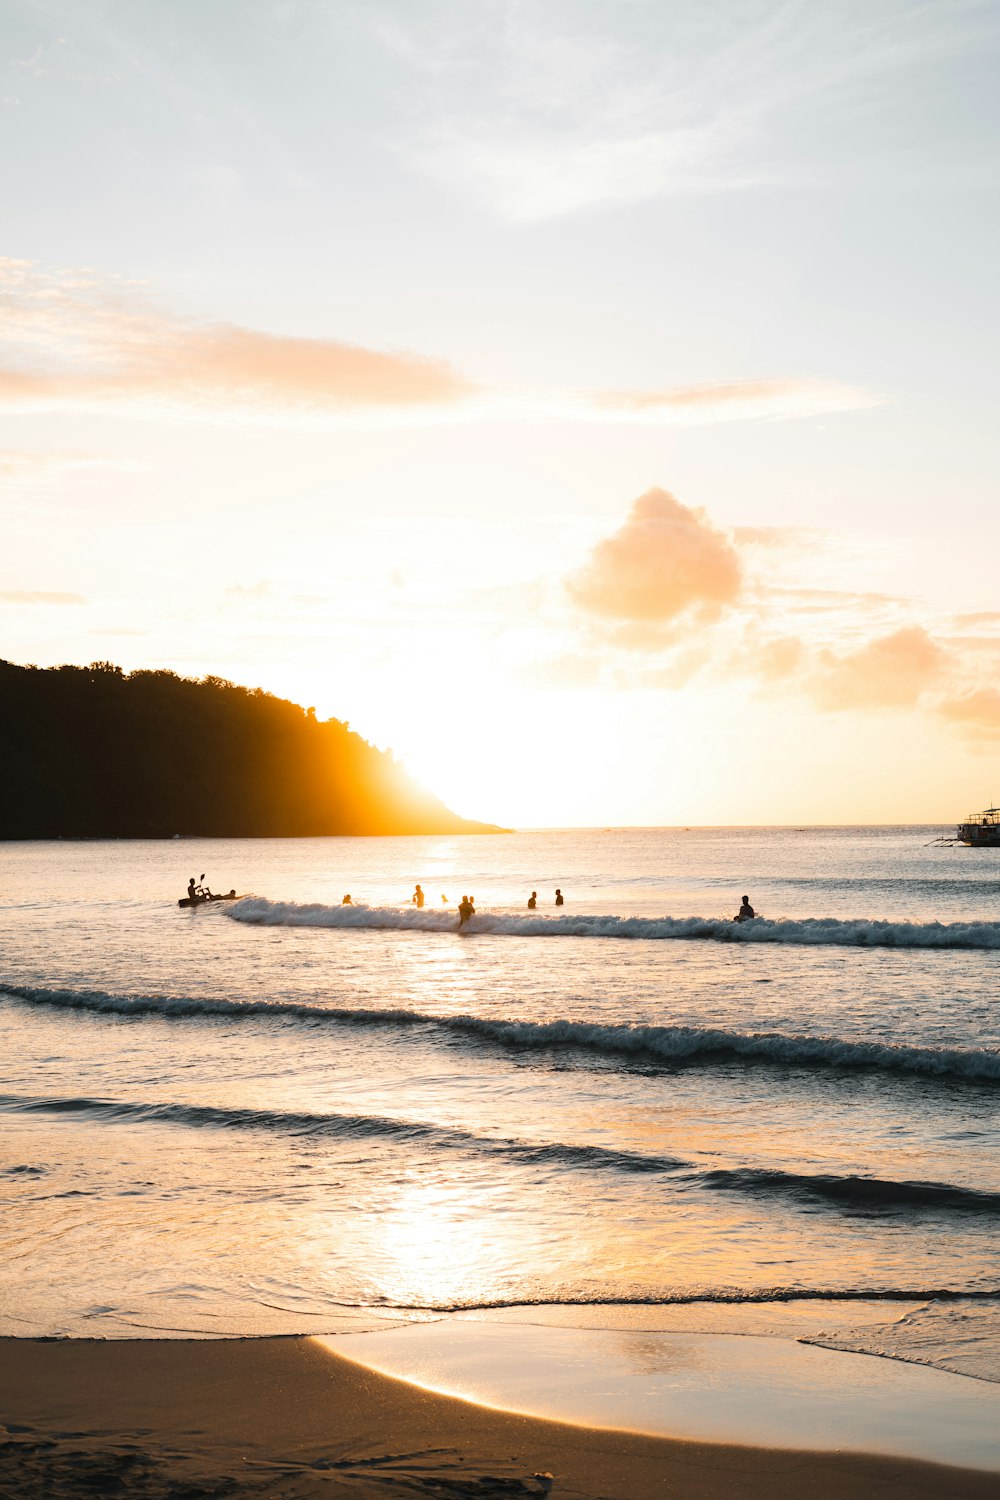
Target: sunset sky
594, 402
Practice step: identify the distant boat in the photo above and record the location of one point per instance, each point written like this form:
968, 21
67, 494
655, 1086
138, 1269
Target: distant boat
981, 830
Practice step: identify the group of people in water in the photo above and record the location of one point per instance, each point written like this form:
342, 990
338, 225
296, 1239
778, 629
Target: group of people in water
197, 893
467, 905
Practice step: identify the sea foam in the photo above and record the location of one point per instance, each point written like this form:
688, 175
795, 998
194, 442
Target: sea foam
859, 932
666, 1045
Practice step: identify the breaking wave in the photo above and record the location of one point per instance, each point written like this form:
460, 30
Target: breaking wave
858, 932
848, 1192
669, 1046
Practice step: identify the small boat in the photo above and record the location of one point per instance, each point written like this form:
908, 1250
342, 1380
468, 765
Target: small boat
981, 830
204, 900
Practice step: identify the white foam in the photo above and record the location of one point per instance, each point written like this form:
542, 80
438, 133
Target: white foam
859, 932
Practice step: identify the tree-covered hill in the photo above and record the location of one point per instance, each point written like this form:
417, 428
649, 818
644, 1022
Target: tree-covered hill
93, 752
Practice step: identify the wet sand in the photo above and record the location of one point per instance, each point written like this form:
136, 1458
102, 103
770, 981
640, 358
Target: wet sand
285, 1417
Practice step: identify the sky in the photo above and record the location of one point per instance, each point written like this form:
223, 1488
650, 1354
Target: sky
593, 402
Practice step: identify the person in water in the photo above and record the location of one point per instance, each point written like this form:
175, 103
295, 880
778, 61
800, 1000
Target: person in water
746, 912
559, 897
418, 897
532, 900
466, 909
347, 901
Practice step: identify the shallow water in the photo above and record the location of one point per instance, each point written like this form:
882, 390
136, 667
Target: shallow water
254, 1117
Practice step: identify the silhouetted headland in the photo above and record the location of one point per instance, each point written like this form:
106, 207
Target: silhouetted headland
93, 752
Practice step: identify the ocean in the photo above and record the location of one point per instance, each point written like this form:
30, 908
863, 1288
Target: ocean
287, 1115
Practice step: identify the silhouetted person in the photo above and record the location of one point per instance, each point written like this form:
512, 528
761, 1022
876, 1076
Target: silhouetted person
559, 897
347, 901
532, 900
465, 911
192, 890
444, 899
746, 912
418, 897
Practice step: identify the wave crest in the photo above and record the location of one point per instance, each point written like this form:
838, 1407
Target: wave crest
860, 932
670, 1046
848, 1192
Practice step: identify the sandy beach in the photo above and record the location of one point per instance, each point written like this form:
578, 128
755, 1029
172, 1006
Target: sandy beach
285, 1417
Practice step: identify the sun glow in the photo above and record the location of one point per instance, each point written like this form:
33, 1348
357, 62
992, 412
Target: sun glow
432, 1246
521, 759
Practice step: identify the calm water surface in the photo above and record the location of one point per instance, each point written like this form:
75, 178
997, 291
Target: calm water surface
253, 1118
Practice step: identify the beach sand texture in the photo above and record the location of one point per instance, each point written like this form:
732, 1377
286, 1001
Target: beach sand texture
284, 1417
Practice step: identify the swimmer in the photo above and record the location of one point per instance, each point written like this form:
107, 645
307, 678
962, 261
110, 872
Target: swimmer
746, 912
559, 897
465, 911
347, 901
532, 900
418, 897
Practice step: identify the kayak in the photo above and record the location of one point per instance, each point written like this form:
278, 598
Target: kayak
204, 900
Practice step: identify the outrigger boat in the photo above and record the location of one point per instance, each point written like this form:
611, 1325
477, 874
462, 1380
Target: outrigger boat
981, 830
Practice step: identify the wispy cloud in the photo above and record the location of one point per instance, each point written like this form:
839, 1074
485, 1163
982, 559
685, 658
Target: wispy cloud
540, 111
733, 401
75, 340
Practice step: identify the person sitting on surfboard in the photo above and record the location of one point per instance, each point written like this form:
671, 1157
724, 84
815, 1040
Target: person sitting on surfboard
746, 912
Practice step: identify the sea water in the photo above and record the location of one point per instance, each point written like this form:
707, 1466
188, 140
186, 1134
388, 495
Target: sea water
278, 1114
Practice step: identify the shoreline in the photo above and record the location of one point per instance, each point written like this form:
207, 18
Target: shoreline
288, 1416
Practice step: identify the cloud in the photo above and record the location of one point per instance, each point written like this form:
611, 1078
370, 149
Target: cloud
80, 342
980, 617
736, 400
665, 562
74, 340
977, 713
538, 111
891, 671
776, 660
38, 596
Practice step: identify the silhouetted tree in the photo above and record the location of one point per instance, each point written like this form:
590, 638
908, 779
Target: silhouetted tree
93, 752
